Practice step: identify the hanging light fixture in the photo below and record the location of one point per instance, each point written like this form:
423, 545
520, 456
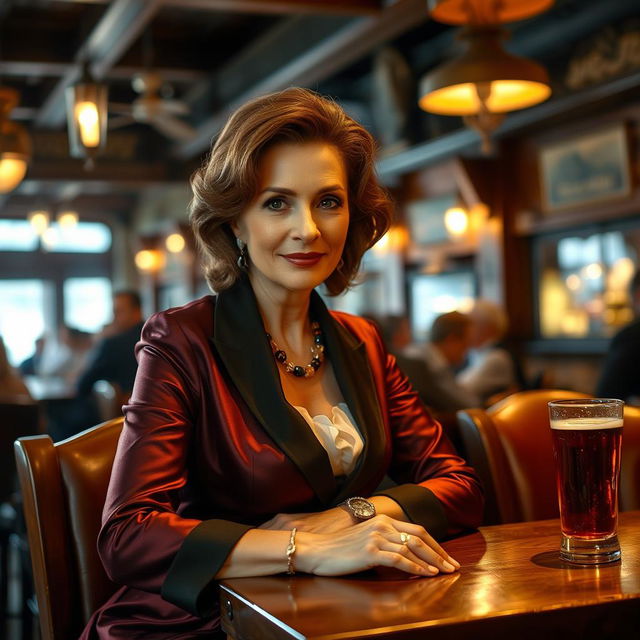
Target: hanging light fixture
15, 144
87, 117
485, 82
489, 12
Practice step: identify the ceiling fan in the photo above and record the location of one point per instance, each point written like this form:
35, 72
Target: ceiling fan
151, 108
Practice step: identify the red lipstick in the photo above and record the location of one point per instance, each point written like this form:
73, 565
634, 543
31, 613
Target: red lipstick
308, 259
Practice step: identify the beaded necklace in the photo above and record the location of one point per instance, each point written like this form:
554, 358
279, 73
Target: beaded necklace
317, 353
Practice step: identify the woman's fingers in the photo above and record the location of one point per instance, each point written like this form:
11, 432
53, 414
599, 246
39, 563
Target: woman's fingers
404, 550
426, 553
421, 534
399, 560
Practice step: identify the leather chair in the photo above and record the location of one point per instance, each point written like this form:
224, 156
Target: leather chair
64, 486
510, 447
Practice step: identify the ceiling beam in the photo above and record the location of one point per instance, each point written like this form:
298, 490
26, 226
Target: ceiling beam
118, 28
345, 46
317, 7
44, 69
332, 7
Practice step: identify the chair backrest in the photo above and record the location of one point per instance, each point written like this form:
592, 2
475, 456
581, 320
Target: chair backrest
64, 486
510, 446
630, 460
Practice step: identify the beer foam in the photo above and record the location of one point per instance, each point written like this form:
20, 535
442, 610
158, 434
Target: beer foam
586, 424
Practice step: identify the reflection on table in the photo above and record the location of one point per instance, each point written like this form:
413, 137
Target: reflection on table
511, 584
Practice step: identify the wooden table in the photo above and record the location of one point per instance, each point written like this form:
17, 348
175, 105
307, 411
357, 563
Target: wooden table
512, 584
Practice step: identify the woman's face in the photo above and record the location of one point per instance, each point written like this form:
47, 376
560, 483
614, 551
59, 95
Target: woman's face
296, 226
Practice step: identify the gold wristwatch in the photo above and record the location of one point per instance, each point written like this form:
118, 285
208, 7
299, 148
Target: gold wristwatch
359, 508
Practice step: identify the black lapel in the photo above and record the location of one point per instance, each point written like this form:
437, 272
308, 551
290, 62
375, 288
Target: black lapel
240, 340
353, 373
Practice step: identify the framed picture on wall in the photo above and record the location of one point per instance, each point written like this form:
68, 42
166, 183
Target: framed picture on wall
584, 170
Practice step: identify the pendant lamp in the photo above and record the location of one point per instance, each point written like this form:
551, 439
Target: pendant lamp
484, 83
485, 12
15, 144
87, 117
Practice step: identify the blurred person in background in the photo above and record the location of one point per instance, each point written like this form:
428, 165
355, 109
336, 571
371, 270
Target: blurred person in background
65, 357
431, 366
29, 367
619, 374
11, 385
492, 368
114, 359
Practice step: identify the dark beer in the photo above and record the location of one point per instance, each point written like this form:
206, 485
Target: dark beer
587, 452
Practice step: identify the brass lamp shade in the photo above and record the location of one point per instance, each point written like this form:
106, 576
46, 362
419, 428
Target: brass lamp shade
485, 12
15, 144
86, 117
485, 78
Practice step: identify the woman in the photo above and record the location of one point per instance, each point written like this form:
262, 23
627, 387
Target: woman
12, 388
221, 470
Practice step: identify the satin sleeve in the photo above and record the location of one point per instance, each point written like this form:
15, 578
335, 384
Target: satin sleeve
436, 487
144, 543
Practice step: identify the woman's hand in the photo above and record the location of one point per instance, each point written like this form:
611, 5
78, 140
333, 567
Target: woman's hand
379, 542
329, 521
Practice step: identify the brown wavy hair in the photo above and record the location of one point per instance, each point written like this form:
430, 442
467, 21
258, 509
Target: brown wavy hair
228, 180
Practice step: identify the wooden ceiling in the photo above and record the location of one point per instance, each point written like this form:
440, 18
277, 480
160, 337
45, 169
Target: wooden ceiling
214, 55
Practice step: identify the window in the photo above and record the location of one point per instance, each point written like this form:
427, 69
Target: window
21, 316
583, 281
434, 294
17, 235
85, 237
87, 303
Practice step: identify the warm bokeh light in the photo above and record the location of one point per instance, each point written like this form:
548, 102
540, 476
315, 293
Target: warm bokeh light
12, 171
504, 95
456, 221
396, 239
39, 221
175, 243
573, 282
86, 114
593, 271
50, 237
149, 260
67, 219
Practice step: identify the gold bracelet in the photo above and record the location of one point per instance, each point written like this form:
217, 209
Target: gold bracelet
291, 549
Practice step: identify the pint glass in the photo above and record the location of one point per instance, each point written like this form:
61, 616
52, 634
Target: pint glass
586, 443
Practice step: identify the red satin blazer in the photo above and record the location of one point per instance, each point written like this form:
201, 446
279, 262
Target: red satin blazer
211, 448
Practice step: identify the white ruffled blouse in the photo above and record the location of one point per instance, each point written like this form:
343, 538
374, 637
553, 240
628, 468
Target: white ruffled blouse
339, 437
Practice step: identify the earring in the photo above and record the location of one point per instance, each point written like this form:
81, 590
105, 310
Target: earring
244, 255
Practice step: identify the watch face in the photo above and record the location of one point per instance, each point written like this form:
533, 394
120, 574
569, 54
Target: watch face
362, 508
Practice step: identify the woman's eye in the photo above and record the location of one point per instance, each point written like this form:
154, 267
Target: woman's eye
275, 204
330, 202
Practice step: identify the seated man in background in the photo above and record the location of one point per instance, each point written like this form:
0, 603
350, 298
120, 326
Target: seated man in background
445, 351
492, 368
619, 377
114, 358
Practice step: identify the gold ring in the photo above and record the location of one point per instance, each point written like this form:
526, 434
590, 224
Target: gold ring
404, 537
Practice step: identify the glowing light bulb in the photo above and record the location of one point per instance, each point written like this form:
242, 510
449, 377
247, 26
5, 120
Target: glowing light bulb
39, 221
175, 243
456, 221
68, 219
86, 114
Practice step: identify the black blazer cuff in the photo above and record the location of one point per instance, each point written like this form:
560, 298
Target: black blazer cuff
421, 506
190, 581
